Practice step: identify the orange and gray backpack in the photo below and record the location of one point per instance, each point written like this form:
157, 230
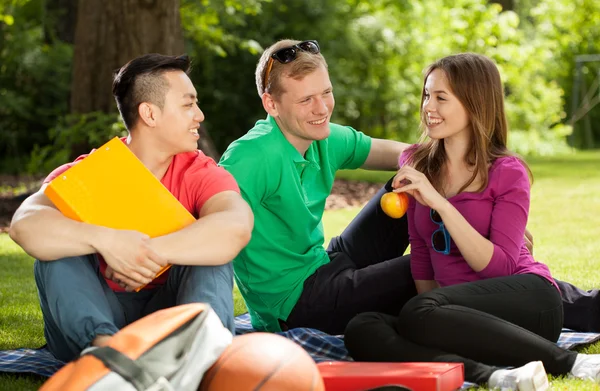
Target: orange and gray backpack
167, 350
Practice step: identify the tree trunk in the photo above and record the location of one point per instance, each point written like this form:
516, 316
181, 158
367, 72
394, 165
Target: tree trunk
109, 33
60, 20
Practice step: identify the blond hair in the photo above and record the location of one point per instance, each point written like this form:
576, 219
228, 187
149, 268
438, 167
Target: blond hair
304, 64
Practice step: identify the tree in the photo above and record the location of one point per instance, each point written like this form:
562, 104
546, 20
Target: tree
111, 32
571, 29
60, 19
34, 82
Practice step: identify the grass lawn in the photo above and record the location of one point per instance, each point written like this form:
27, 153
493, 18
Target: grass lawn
564, 221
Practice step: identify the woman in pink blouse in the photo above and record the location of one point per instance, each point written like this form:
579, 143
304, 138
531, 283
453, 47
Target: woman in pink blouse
483, 300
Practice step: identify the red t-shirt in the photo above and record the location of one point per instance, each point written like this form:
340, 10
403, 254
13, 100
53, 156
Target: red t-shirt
192, 178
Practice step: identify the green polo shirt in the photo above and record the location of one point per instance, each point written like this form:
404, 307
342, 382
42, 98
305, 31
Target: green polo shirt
287, 193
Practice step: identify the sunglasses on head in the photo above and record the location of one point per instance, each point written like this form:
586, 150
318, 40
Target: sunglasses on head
440, 239
289, 54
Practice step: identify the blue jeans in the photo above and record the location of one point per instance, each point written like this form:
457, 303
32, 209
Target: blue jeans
77, 303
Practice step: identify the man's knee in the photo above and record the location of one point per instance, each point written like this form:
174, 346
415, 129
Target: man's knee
223, 303
226, 273
63, 268
360, 332
204, 274
209, 284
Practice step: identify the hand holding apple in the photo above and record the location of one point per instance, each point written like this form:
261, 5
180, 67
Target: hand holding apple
394, 204
408, 180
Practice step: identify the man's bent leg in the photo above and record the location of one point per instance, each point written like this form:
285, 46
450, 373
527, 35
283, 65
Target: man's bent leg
373, 236
198, 284
337, 291
77, 304
581, 308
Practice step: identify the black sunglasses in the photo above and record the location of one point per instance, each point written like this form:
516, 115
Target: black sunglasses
440, 239
288, 54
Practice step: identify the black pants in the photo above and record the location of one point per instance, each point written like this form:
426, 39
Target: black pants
582, 308
368, 273
506, 321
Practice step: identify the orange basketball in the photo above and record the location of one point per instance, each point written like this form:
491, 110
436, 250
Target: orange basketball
263, 362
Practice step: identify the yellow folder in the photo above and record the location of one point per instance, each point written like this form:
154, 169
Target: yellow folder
112, 188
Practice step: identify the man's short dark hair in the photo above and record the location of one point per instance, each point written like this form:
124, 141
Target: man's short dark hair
141, 80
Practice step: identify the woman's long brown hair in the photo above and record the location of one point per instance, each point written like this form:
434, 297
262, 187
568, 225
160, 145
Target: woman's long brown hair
474, 79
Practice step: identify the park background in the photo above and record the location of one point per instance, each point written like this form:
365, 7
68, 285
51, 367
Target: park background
57, 58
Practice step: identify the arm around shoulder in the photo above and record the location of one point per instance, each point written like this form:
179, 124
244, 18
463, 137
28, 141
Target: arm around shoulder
384, 154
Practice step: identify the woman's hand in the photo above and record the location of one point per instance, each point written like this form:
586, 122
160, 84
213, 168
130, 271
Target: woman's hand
408, 180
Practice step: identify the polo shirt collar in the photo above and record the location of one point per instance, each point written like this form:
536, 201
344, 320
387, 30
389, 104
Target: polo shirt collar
310, 157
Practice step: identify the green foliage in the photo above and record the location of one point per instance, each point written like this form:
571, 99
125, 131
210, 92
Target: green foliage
540, 142
571, 28
72, 132
34, 82
376, 50
382, 77
205, 24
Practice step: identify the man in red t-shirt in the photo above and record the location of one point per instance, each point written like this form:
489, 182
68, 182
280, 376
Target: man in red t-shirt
86, 274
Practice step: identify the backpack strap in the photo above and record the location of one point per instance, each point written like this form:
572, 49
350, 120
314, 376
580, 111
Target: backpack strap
127, 368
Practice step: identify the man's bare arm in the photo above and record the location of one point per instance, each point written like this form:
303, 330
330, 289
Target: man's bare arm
46, 234
222, 231
384, 154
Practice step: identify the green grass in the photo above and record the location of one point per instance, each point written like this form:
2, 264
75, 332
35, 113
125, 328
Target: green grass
564, 221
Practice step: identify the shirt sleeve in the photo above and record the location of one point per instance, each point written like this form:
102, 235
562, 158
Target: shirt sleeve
420, 261
406, 155
57, 171
511, 189
213, 180
348, 147
60, 169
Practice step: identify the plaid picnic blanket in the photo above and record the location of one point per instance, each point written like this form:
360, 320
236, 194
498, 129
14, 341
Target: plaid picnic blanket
320, 346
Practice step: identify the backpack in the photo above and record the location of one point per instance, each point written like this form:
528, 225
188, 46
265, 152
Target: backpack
167, 350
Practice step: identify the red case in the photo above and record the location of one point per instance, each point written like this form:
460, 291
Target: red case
418, 376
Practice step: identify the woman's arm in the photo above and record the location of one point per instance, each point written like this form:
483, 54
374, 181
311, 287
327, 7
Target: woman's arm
420, 260
499, 254
475, 249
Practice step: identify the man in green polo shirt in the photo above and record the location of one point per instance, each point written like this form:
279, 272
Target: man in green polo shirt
285, 167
